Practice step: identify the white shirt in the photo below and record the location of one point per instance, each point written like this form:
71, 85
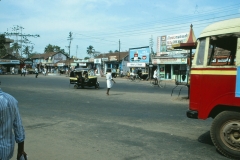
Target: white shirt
155, 74
108, 76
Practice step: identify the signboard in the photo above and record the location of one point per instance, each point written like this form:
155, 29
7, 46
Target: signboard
175, 39
59, 57
82, 64
164, 43
139, 54
8, 61
73, 64
81, 60
140, 65
104, 59
60, 64
170, 61
112, 58
97, 60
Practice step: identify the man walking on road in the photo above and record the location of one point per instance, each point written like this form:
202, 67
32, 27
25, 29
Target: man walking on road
10, 121
109, 80
36, 72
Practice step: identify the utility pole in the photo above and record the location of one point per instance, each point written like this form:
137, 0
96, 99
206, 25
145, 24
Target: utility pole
70, 39
119, 56
151, 44
119, 44
16, 33
76, 51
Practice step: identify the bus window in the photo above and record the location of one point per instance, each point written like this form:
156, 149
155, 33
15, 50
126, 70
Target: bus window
222, 50
200, 56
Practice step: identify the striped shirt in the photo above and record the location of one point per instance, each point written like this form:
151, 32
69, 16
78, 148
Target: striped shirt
10, 121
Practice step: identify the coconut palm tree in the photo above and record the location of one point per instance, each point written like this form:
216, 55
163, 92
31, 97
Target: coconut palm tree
15, 47
90, 51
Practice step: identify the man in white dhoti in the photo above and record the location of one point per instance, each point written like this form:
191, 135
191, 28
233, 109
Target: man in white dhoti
109, 80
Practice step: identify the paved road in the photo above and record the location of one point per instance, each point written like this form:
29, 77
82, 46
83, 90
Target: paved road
135, 122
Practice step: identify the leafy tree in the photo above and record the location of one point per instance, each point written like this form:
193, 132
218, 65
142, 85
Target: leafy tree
53, 48
86, 58
27, 51
3, 50
90, 51
116, 51
15, 47
110, 51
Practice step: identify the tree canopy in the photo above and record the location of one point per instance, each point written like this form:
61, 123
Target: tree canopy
27, 51
53, 48
3, 50
90, 51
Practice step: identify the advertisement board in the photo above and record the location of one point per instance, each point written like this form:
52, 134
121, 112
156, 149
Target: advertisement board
139, 54
165, 42
140, 65
8, 61
97, 60
175, 39
170, 61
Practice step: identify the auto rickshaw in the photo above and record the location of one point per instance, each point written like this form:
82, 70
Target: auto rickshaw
83, 77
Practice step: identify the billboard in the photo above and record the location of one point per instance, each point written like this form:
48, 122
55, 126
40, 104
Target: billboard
164, 43
175, 39
140, 54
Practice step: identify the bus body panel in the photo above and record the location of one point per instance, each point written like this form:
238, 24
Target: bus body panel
212, 87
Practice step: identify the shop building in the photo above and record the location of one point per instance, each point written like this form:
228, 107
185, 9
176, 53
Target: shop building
49, 60
115, 61
139, 60
169, 61
9, 61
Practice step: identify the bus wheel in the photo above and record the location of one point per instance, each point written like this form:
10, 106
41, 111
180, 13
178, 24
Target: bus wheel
225, 133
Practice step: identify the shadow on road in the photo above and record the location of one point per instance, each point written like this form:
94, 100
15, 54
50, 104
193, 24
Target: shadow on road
206, 139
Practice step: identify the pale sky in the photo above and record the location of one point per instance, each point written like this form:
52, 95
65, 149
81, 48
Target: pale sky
102, 23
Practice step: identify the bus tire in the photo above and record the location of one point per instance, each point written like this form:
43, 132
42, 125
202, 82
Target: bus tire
225, 133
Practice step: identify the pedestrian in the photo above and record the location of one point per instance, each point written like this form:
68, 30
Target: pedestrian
155, 76
36, 72
24, 71
109, 80
13, 70
11, 129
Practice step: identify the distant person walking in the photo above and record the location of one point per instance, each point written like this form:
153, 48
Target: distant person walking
155, 76
109, 80
13, 70
36, 72
11, 129
23, 71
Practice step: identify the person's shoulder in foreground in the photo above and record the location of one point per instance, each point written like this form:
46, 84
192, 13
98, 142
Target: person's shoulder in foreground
11, 121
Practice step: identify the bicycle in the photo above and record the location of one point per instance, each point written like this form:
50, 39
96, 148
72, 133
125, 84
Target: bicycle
159, 83
135, 78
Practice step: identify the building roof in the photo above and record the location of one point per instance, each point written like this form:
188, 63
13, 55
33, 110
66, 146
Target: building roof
189, 43
9, 56
118, 55
44, 55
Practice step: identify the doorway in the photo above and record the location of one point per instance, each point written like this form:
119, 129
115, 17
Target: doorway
168, 71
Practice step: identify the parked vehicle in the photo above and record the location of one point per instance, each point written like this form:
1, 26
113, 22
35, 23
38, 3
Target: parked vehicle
215, 84
82, 77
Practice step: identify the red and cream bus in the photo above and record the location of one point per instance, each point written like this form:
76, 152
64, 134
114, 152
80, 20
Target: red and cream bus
215, 84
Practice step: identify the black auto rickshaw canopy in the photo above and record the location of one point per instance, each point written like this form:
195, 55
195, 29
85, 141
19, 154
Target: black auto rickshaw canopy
83, 77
